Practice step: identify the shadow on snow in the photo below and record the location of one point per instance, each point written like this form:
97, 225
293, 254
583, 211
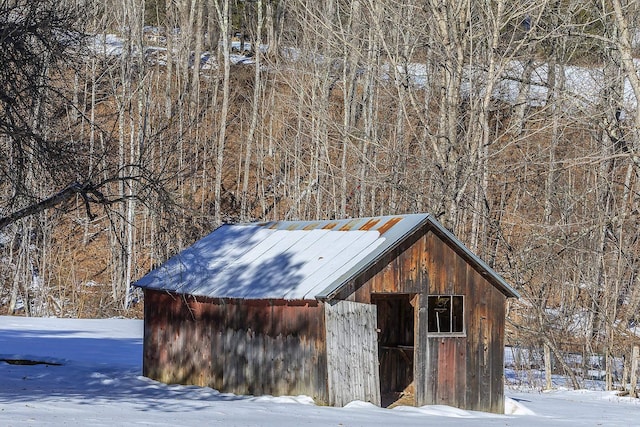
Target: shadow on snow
107, 370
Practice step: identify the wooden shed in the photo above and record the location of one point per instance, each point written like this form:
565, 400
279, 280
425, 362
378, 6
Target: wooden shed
357, 309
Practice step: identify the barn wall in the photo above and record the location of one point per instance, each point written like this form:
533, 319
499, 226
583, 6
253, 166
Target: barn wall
242, 347
467, 371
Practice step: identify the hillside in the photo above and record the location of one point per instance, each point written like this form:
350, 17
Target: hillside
515, 124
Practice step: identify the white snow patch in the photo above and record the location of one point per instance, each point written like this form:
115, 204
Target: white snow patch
100, 384
514, 407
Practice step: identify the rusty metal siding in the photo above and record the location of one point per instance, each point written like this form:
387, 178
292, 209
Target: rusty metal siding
261, 347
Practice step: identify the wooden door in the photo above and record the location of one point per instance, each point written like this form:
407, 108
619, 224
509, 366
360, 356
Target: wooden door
396, 335
352, 352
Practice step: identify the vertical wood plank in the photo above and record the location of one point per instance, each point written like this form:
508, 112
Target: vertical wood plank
352, 353
421, 354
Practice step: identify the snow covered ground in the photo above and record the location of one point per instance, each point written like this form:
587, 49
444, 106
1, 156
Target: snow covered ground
94, 379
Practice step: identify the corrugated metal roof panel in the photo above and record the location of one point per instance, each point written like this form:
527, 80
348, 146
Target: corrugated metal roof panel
286, 259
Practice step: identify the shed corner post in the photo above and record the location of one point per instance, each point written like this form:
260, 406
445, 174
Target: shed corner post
421, 353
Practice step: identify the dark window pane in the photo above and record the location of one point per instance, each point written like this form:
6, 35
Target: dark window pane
445, 313
439, 309
457, 314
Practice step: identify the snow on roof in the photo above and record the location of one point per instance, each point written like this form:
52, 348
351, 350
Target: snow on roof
291, 260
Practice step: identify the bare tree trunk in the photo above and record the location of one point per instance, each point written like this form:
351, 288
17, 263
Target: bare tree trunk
170, 35
223, 18
197, 56
635, 359
547, 367
370, 113
255, 109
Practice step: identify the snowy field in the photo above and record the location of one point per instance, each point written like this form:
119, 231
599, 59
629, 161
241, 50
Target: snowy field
93, 378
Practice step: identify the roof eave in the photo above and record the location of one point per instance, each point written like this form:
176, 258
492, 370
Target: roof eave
492, 275
332, 290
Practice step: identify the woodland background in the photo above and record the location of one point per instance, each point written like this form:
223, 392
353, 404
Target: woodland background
130, 129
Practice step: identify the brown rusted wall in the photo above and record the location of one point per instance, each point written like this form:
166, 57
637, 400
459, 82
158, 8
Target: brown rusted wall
466, 372
236, 346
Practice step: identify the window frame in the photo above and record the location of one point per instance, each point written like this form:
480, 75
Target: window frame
450, 333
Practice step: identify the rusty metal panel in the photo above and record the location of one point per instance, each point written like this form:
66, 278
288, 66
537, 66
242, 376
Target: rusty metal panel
388, 225
349, 225
370, 224
253, 261
282, 259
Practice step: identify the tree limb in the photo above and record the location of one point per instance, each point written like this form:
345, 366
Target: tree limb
62, 196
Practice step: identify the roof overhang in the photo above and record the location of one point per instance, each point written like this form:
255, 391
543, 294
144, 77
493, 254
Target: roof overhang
429, 221
299, 260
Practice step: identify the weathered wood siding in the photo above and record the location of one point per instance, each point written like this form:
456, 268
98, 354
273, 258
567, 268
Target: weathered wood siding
352, 353
467, 371
463, 371
237, 346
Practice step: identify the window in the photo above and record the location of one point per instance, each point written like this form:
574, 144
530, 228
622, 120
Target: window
446, 314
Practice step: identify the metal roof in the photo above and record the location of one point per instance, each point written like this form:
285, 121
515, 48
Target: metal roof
291, 260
